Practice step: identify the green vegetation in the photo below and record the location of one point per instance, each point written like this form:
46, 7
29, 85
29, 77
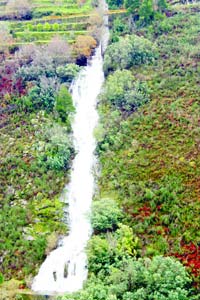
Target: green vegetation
40, 21
64, 105
159, 278
36, 153
36, 112
105, 215
145, 215
148, 150
122, 92
129, 51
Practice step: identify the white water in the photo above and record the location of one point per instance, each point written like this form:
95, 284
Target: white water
71, 254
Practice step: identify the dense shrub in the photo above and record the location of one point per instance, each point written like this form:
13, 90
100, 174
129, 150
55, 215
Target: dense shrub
161, 278
123, 92
105, 215
58, 149
111, 250
64, 105
67, 73
100, 255
41, 96
129, 51
120, 27
113, 4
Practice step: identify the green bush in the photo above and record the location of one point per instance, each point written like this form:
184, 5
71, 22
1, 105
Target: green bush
58, 149
162, 278
129, 51
67, 73
105, 215
122, 92
42, 98
114, 4
64, 105
99, 255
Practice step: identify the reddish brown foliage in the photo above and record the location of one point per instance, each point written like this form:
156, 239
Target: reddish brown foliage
190, 258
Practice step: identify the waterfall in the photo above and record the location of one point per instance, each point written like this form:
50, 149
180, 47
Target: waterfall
65, 269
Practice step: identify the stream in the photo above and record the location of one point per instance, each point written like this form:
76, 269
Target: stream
65, 269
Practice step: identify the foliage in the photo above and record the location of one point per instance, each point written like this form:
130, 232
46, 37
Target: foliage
84, 45
1, 278
100, 255
30, 188
58, 149
132, 6
122, 92
159, 278
67, 73
41, 97
129, 51
64, 105
94, 289
113, 4
149, 159
105, 215
120, 27
127, 243
146, 11
111, 250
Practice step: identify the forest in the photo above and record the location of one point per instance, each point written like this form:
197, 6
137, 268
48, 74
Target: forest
145, 213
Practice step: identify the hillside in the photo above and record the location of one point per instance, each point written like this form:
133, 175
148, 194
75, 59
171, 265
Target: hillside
38, 64
39, 21
145, 215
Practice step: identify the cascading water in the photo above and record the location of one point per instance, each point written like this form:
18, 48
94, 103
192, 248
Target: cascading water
65, 269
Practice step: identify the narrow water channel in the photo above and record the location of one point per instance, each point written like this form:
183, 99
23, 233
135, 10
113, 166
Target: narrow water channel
65, 269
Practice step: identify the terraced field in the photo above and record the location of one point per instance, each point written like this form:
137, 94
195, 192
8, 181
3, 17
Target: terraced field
67, 18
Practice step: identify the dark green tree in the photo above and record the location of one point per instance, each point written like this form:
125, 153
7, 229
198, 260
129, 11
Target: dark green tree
146, 12
64, 105
132, 6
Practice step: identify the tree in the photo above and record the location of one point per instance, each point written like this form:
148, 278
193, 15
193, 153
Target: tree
64, 105
129, 51
162, 278
132, 6
67, 73
105, 215
123, 92
58, 149
84, 45
146, 12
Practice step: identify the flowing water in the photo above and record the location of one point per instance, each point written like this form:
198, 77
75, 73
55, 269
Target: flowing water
65, 269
